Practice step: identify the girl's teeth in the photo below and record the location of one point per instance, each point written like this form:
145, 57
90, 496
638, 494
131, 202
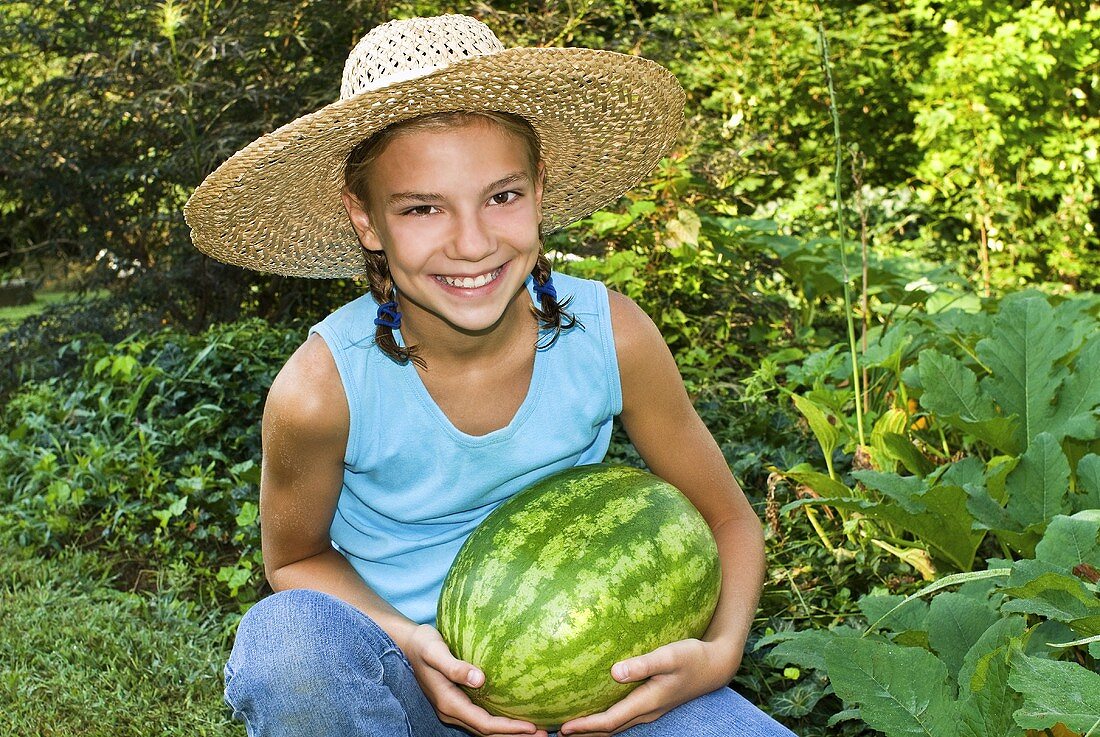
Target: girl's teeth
467, 282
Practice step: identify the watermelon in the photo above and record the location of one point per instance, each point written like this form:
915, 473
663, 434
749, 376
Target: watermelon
587, 567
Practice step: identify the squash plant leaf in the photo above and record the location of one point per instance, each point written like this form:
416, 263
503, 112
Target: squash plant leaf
1088, 483
878, 608
1023, 354
1073, 415
901, 691
1039, 588
955, 622
901, 447
987, 701
951, 392
1038, 486
1070, 541
804, 648
1055, 691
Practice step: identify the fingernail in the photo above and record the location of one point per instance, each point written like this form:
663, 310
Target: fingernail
620, 671
473, 678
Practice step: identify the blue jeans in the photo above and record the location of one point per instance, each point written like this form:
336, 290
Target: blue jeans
307, 664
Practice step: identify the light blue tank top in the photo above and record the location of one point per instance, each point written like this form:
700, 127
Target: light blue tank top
415, 486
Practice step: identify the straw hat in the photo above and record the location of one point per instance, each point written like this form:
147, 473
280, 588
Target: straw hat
604, 121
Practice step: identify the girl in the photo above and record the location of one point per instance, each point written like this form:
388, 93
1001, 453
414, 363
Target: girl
468, 373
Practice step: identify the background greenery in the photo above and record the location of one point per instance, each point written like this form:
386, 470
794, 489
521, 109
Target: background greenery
912, 505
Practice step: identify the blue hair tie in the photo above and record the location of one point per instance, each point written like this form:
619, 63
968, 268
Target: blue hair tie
388, 316
547, 289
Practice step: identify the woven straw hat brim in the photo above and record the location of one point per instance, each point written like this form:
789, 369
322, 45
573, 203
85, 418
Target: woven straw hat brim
604, 119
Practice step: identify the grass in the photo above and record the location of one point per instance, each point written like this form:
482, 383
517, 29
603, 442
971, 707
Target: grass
12, 315
79, 656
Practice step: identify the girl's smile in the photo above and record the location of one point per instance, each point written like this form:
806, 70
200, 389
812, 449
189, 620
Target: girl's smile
470, 283
456, 211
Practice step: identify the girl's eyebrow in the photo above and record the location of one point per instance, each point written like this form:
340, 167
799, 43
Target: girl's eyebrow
519, 177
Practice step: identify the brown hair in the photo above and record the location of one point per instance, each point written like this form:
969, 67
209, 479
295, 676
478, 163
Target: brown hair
551, 313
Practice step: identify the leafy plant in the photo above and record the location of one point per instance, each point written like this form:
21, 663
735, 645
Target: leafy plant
1005, 653
989, 429
149, 449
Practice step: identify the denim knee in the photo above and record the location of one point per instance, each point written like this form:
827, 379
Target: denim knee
296, 653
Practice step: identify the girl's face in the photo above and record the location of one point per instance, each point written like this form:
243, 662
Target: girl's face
456, 212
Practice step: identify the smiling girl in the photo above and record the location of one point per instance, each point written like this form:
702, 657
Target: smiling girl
467, 373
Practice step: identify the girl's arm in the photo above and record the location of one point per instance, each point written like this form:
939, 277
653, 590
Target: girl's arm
662, 424
305, 434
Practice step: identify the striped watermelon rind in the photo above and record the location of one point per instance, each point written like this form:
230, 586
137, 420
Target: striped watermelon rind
587, 567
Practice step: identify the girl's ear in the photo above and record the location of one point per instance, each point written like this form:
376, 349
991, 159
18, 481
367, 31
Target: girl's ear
360, 221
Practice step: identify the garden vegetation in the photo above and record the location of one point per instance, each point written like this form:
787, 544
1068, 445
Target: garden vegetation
874, 254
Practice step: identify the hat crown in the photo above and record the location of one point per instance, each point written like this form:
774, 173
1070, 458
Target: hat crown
407, 49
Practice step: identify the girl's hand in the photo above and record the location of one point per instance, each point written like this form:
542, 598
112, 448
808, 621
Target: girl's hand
674, 674
439, 674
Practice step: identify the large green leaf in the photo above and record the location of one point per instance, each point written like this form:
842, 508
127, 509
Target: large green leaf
805, 648
951, 393
901, 691
1069, 541
955, 622
1039, 588
906, 491
1022, 354
1088, 482
912, 616
987, 701
1080, 393
1055, 691
1038, 486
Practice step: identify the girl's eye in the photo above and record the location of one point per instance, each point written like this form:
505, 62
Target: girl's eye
420, 210
503, 198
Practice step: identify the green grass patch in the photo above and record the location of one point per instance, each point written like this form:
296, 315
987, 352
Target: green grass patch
42, 300
82, 653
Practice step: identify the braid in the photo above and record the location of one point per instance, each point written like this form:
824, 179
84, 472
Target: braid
382, 289
551, 314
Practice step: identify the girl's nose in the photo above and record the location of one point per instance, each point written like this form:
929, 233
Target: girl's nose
471, 240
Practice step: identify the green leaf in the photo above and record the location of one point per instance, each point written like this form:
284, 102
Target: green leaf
954, 579
892, 422
1088, 483
901, 691
1022, 352
1080, 393
797, 701
1069, 541
955, 623
1055, 691
248, 515
951, 393
902, 448
822, 483
806, 648
905, 490
987, 701
878, 608
1036, 589
1038, 486
828, 436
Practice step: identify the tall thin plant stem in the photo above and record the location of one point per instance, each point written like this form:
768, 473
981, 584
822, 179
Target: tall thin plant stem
841, 229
